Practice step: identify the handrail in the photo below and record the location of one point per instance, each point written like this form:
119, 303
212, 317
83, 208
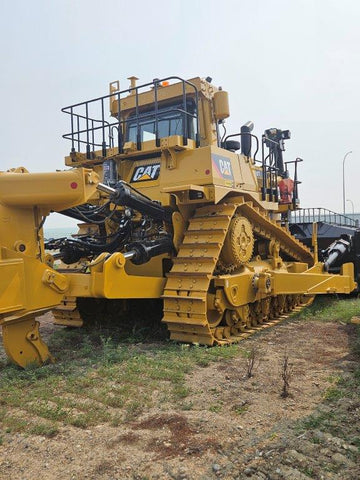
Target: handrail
92, 130
320, 214
240, 134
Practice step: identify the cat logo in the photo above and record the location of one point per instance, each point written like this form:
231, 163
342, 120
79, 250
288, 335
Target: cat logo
222, 167
144, 173
225, 167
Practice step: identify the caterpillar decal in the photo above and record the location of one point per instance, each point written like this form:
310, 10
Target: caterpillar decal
222, 165
144, 173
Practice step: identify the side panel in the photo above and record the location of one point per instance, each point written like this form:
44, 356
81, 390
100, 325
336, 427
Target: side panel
27, 285
12, 285
200, 166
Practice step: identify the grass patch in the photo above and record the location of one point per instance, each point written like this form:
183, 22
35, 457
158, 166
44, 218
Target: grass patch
240, 409
100, 377
308, 471
334, 393
331, 309
14, 424
46, 430
337, 415
215, 408
319, 420
186, 406
98, 380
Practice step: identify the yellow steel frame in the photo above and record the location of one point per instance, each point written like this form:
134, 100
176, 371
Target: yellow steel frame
29, 284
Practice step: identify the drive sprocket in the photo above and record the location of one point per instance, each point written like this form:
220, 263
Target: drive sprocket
238, 245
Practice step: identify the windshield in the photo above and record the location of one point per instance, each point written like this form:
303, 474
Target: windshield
170, 122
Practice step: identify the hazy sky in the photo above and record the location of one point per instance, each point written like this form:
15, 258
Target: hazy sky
288, 64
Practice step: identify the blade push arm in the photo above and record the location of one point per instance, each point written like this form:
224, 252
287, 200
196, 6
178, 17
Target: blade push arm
28, 285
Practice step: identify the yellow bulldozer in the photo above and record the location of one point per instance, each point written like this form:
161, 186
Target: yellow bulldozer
170, 208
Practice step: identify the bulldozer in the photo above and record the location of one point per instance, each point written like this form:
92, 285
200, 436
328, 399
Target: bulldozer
170, 208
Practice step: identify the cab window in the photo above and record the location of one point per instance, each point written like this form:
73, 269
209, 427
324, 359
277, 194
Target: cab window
170, 122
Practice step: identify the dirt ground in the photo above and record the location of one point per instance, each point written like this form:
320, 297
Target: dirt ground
233, 427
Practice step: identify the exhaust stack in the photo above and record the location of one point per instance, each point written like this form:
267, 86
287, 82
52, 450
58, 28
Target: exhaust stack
246, 138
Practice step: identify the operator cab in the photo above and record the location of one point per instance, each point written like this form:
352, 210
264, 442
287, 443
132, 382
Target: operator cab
168, 120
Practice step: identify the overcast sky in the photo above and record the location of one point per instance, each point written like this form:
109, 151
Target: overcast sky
287, 64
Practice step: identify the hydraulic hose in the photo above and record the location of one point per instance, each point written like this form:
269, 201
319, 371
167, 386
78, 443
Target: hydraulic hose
123, 194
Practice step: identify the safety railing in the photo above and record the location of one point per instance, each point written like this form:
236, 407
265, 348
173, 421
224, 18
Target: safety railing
91, 131
295, 196
310, 215
270, 171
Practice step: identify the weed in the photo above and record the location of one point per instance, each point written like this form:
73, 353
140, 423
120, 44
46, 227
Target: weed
116, 420
319, 420
79, 421
44, 429
333, 378
203, 362
250, 362
181, 391
215, 408
286, 374
48, 411
332, 468
14, 424
115, 401
356, 441
356, 343
240, 409
133, 410
187, 406
112, 353
333, 393
309, 471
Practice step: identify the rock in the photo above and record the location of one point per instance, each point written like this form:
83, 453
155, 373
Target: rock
260, 476
326, 452
293, 474
268, 453
351, 448
307, 447
297, 457
342, 460
249, 471
319, 435
334, 440
182, 474
216, 467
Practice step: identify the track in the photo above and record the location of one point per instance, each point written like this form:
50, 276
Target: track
187, 310
188, 288
67, 313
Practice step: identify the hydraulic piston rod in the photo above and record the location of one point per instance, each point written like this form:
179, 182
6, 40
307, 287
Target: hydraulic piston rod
127, 196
